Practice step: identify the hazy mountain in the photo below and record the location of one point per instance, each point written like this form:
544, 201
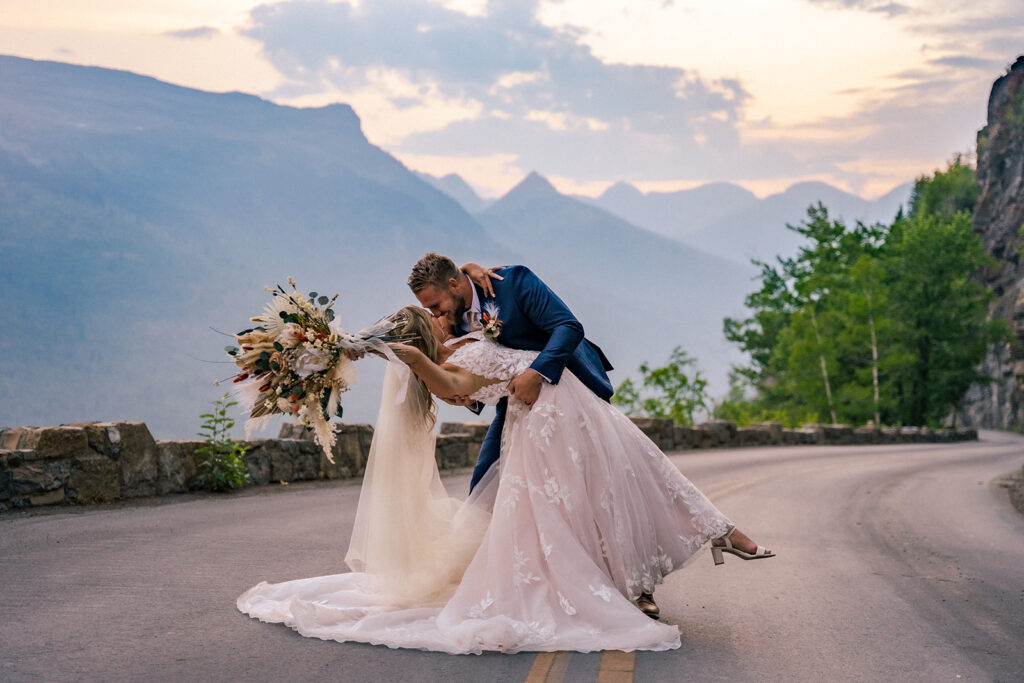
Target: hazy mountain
760, 230
135, 214
674, 214
726, 220
638, 294
458, 189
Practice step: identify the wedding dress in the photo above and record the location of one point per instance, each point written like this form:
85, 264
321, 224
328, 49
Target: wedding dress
550, 552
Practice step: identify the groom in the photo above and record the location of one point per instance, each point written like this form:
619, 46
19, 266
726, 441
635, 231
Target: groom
532, 317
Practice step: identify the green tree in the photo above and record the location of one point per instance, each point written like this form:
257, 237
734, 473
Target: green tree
946, 193
676, 390
940, 313
881, 323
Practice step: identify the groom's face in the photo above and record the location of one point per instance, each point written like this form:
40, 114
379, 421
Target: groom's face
444, 303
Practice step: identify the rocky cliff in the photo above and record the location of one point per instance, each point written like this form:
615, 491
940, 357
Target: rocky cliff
999, 219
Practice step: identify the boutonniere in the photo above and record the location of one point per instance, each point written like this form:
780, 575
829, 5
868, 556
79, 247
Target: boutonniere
492, 324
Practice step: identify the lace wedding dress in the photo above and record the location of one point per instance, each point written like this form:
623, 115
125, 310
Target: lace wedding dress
549, 553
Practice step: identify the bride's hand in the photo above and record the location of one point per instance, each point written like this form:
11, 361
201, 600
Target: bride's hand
482, 276
409, 355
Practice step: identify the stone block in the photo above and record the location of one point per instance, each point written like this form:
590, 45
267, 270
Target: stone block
292, 459
257, 461
660, 430
94, 479
138, 460
477, 430
818, 430
14, 457
54, 442
719, 433
292, 430
191, 459
39, 476
771, 431
910, 434
10, 437
455, 450
867, 435
682, 438
836, 434
104, 439
351, 449
891, 435
48, 498
747, 437
170, 468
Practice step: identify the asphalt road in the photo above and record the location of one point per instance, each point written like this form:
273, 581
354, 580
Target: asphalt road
895, 563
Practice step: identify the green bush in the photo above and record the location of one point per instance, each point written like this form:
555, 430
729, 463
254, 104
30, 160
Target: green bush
222, 467
669, 391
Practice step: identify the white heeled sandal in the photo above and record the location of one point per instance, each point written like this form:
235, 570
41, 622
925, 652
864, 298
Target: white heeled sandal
717, 550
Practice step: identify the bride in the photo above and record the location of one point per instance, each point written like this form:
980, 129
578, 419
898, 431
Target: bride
550, 551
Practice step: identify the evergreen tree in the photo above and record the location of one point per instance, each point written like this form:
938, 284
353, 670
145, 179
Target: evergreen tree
880, 323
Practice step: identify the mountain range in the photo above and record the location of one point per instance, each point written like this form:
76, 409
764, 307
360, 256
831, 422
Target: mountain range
138, 219
719, 218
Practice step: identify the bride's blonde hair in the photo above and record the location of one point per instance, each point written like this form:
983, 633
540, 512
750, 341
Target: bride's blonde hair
415, 320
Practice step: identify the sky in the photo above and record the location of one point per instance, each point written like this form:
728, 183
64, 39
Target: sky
664, 94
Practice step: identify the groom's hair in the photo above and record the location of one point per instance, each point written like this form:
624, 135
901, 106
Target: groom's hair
433, 269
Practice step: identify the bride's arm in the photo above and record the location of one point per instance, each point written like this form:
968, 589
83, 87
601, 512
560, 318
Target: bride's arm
444, 381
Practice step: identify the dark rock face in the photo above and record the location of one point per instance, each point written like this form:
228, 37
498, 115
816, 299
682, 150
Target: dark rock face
998, 218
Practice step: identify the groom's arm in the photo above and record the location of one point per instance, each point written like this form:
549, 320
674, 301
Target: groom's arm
544, 309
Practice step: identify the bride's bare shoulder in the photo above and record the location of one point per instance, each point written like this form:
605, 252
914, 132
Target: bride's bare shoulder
459, 343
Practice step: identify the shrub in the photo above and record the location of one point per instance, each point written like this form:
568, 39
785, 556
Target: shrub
222, 467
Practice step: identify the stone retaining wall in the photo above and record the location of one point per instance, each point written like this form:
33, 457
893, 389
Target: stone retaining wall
101, 462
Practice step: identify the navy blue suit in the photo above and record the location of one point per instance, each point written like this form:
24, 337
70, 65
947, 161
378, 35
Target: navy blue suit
535, 319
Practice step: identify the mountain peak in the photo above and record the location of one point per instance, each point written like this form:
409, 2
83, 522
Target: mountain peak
621, 191
532, 188
535, 183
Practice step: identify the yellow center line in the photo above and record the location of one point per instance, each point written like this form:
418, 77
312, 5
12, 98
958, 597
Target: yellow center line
616, 667
750, 482
549, 667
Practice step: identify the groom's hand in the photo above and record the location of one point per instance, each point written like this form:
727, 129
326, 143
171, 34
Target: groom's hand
526, 387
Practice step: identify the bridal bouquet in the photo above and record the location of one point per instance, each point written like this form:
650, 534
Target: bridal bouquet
295, 361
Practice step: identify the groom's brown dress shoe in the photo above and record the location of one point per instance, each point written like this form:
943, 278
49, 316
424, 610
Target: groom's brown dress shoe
647, 605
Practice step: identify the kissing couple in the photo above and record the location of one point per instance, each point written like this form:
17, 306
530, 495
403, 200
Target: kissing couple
573, 517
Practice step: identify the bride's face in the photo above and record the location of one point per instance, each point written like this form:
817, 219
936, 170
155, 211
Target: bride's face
439, 326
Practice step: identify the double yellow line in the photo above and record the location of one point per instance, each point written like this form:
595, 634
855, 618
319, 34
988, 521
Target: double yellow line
550, 667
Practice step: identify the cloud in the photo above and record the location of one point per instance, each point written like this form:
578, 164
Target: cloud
435, 83
890, 9
199, 32
967, 62
541, 92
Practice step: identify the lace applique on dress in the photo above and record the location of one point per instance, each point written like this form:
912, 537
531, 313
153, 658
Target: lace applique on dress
486, 358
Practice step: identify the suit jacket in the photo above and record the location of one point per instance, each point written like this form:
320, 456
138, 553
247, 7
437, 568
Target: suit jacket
535, 319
